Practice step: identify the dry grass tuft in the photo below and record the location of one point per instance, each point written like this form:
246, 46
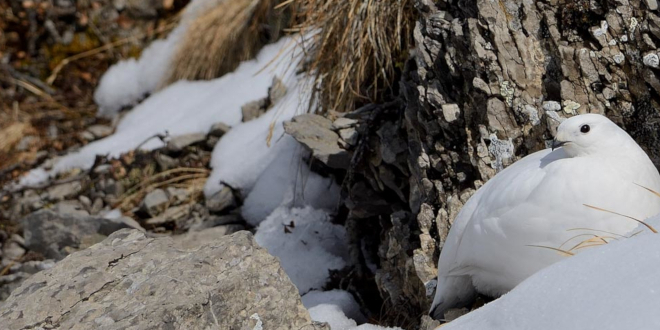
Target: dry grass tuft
230, 32
192, 179
357, 48
11, 134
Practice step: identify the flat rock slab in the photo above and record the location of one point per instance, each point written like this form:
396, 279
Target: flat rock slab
315, 133
129, 281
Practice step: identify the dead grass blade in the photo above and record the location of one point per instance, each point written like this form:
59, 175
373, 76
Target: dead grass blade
625, 216
563, 252
600, 231
192, 179
579, 235
594, 241
649, 189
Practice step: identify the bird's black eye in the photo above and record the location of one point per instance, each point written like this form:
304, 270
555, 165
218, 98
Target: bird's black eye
585, 129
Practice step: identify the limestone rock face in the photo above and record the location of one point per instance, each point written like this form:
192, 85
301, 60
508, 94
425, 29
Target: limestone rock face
129, 281
488, 83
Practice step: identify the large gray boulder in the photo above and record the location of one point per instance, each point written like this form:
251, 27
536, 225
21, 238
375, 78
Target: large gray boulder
129, 281
55, 235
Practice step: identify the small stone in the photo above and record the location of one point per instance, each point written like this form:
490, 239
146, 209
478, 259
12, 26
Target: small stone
18, 239
532, 114
67, 36
450, 112
221, 200
651, 60
619, 58
608, 93
113, 188
70, 207
652, 4
179, 142
254, 109
343, 122
219, 129
85, 201
155, 202
166, 162
551, 106
102, 169
12, 250
64, 191
100, 131
25, 143
177, 195
87, 136
350, 135
276, 91
481, 85
97, 206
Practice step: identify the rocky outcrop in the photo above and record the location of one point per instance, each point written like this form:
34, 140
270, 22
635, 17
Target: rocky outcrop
489, 83
131, 281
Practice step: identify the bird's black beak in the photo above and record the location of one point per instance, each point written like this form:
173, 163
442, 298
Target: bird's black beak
556, 144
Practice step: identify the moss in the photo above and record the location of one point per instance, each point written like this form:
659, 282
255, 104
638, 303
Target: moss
82, 42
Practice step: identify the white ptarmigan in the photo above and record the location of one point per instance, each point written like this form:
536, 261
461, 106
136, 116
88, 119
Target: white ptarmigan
508, 229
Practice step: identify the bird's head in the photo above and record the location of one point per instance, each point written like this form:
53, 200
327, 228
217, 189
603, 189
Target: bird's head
590, 134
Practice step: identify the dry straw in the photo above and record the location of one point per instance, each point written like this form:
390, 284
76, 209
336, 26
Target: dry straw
228, 33
356, 49
355, 53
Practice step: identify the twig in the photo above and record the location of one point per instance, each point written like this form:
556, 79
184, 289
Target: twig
21, 76
162, 138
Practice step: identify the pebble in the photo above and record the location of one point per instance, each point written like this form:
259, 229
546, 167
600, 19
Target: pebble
155, 202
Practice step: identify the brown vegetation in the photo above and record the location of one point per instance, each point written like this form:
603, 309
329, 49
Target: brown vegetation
358, 50
232, 31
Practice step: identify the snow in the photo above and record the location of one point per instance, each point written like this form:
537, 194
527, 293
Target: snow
288, 181
307, 243
340, 298
189, 107
129, 81
243, 153
613, 286
333, 315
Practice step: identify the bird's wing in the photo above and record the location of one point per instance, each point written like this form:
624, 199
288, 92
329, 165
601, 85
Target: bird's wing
493, 199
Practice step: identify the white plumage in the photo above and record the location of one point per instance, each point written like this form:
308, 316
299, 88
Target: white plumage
507, 231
